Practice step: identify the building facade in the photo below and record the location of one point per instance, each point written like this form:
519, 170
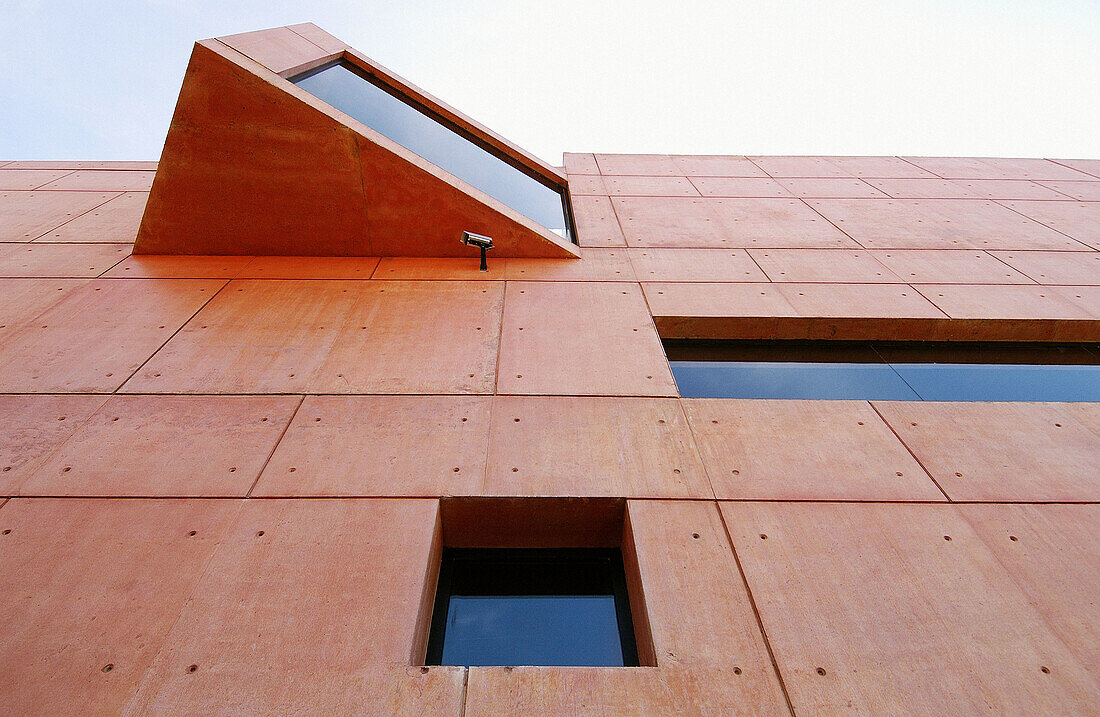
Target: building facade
256, 396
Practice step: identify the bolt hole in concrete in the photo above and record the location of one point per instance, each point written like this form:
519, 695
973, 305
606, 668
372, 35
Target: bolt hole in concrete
192, 668
193, 533
947, 538
821, 671
763, 536
6, 531
1013, 538
695, 536
737, 670
108, 667
1045, 670
259, 533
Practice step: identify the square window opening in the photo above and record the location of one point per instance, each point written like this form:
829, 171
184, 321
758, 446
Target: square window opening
532, 606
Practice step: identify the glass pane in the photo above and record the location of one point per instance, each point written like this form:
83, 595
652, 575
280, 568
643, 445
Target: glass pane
1004, 382
760, 379
532, 630
349, 92
532, 607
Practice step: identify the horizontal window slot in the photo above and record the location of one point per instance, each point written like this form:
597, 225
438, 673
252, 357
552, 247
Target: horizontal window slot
906, 371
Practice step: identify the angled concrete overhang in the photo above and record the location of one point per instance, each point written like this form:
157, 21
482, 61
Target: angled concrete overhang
255, 165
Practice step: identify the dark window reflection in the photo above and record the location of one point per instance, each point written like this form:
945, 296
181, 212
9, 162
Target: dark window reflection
916, 371
532, 607
348, 91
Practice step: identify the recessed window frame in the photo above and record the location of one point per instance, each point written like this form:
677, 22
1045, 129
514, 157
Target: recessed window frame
909, 370
451, 556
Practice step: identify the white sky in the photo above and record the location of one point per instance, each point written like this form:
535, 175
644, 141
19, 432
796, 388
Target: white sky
98, 80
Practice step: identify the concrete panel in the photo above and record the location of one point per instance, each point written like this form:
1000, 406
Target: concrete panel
1079, 220
1000, 451
28, 179
418, 268
596, 222
882, 167
694, 265
1052, 553
32, 427
1081, 191
1034, 168
79, 635
302, 605
939, 224
799, 167
580, 163
95, 180
823, 265
649, 187
1087, 297
717, 310
725, 223
835, 187
59, 260
1055, 267
859, 300
381, 446
587, 185
580, 339
962, 301
25, 216
893, 608
318, 37
922, 188
1008, 189
739, 187
844, 451
116, 220
256, 336
198, 446
948, 266
278, 49
614, 692
416, 337
1087, 166
994, 168
98, 334
776, 223
702, 165
707, 300
698, 609
647, 221
574, 446
81, 164
167, 266
23, 299
310, 267
639, 164
594, 265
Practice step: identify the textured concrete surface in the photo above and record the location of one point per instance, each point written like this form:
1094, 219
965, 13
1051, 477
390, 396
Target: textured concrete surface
280, 446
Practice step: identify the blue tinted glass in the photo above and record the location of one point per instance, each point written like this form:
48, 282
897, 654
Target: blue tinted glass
348, 92
1002, 382
760, 379
532, 630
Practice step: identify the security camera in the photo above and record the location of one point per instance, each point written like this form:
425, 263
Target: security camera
481, 242
477, 240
